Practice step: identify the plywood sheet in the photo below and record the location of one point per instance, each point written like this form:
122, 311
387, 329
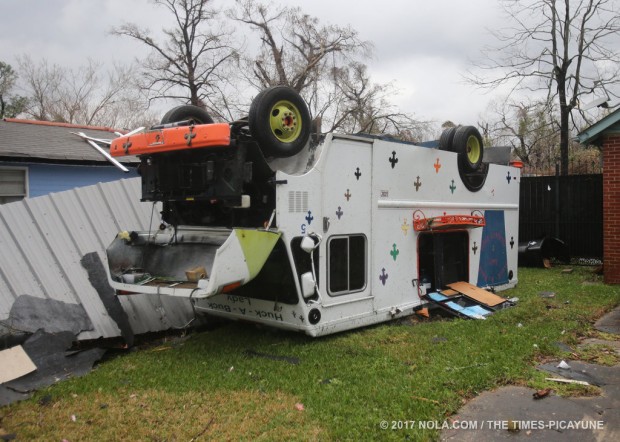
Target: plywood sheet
449, 292
477, 293
15, 363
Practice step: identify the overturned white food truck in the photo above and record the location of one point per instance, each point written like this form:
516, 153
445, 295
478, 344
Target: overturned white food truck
262, 221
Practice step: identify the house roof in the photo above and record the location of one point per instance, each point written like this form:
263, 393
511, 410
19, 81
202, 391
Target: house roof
594, 134
45, 140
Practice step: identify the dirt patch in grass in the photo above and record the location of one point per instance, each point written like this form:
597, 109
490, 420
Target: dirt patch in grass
162, 416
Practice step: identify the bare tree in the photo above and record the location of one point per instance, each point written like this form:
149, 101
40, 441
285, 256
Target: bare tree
563, 48
530, 127
84, 95
321, 63
10, 105
42, 84
296, 50
364, 106
190, 63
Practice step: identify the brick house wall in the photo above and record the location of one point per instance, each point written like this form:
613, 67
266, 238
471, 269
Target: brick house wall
611, 208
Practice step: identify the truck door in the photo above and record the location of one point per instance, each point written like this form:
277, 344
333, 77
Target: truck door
347, 227
443, 258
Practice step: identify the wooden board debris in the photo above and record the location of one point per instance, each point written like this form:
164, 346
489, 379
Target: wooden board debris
449, 292
15, 363
480, 295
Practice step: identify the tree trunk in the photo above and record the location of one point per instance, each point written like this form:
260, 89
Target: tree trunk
560, 74
564, 139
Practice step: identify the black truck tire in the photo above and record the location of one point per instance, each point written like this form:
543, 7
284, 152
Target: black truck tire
446, 138
467, 143
279, 121
195, 114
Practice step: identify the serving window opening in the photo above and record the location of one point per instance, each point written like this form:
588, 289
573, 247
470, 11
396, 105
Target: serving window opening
443, 258
346, 263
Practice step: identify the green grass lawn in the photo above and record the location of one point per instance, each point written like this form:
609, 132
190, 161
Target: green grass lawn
210, 388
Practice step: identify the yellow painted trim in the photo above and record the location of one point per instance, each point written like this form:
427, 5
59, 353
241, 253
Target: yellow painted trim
256, 246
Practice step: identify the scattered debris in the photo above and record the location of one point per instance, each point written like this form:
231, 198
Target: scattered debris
563, 365
539, 252
546, 294
567, 381
299, 406
49, 354
334, 381
422, 312
577, 370
566, 271
29, 314
542, 393
465, 300
15, 363
290, 360
196, 273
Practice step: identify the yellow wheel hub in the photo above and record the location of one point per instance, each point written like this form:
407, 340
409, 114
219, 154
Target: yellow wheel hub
473, 149
285, 121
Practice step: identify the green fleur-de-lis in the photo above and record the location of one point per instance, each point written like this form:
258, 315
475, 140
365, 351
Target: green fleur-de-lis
394, 252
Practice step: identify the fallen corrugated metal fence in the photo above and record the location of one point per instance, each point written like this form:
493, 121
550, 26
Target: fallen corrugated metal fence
53, 266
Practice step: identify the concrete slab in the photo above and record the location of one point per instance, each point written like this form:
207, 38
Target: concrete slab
610, 323
582, 371
490, 416
550, 419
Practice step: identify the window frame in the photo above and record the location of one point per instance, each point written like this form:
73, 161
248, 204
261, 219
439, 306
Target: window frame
348, 290
26, 182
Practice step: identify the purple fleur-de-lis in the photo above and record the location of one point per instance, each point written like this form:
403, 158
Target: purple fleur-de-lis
383, 276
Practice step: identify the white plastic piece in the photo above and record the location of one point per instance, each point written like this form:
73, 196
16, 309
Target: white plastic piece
307, 244
563, 365
307, 285
245, 202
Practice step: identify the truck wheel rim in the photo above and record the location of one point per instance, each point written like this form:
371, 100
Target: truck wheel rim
473, 149
285, 121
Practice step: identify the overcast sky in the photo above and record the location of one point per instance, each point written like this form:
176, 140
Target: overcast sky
423, 46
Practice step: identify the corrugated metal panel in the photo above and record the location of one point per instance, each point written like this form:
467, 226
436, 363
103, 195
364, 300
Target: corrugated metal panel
42, 241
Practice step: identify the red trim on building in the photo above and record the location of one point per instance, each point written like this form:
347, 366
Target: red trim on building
67, 125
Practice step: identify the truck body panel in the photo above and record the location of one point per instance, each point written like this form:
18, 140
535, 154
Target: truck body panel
359, 201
